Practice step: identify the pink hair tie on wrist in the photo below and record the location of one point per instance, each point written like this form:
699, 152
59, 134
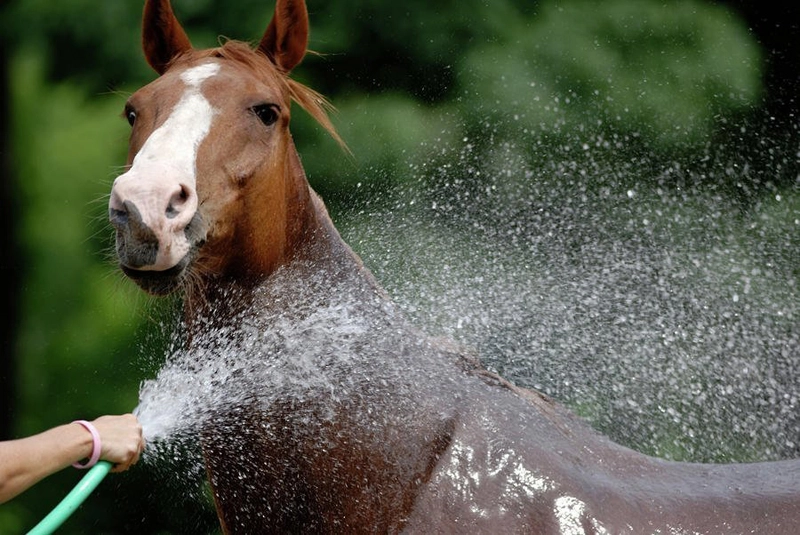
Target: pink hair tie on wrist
95, 445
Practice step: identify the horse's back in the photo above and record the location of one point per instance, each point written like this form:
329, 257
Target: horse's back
520, 463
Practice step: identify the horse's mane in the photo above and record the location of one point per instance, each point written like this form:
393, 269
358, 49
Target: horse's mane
311, 101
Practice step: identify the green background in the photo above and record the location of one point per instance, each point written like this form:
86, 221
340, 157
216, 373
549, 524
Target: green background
425, 91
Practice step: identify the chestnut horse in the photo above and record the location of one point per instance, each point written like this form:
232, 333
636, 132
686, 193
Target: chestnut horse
388, 430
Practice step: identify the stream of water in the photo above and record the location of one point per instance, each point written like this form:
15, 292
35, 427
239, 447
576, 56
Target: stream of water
658, 300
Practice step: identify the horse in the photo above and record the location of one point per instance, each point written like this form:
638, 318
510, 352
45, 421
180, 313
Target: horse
346, 417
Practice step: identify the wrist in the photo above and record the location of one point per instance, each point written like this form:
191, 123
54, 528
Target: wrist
95, 444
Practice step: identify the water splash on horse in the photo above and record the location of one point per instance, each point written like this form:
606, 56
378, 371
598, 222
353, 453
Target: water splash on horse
318, 406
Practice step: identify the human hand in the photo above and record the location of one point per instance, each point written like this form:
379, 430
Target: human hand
121, 440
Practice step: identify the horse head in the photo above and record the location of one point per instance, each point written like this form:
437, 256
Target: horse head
213, 185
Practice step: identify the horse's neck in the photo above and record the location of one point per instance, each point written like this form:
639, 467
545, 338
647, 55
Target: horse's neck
313, 249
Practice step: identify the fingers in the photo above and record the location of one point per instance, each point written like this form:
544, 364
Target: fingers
122, 440
132, 458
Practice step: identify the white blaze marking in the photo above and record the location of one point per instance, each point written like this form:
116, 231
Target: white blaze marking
166, 163
174, 144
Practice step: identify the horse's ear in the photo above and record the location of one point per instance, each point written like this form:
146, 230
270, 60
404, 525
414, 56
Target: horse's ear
286, 37
163, 37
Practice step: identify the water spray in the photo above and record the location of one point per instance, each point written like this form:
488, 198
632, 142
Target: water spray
73, 500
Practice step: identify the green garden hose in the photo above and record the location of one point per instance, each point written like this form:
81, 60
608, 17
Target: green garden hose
73, 500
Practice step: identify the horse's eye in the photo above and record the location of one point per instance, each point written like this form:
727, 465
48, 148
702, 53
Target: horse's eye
266, 113
130, 115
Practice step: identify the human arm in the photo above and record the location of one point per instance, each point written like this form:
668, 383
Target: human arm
25, 461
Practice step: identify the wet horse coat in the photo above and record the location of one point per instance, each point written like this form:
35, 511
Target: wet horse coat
372, 427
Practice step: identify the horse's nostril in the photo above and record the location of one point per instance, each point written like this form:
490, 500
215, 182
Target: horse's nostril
177, 201
117, 217
124, 215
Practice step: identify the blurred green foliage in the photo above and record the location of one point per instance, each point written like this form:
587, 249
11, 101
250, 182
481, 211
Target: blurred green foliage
662, 71
408, 78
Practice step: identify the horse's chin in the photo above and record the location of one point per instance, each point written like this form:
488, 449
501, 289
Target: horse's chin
158, 283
